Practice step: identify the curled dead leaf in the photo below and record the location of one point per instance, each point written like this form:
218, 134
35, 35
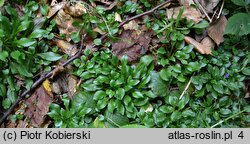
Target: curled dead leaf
208, 5
118, 17
216, 30
201, 48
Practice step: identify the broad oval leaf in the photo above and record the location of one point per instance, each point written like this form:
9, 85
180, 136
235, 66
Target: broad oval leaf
50, 56
25, 42
238, 24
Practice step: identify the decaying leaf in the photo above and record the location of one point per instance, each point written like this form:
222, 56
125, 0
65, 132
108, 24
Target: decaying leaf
201, 48
189, 13
208, 5
72, 84
55, 8
207, 41
132, 25
75, 10
38, 106
107, 4
118, 17
66, 47
216, 30
132, 44
186, 3
64, 23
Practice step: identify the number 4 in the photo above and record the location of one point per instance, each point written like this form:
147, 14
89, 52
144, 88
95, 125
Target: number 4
241, 135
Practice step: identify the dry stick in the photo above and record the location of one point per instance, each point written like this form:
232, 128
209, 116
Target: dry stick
42, 78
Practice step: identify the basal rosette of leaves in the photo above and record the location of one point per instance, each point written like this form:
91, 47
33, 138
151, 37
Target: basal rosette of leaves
23, 50
110, 88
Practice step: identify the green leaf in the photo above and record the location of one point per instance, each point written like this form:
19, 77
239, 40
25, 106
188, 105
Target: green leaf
116, 119
133, 126
165, 74
241, 2
44, 9
99, 95
166, 109
193, 66
50, 56
246, 71
4, 55
247, 109
112, 105
75, 36
140, 102
6, 103
37, 33
238, 24
102, 103
158, 86
203, 24
183, 102
176, 68
97, 41
224, 111
120, 93
176, 115
218, 87
15, 54
22, 70
25, 42
2, 90
137, 94
23, 26
1, 3
146, 60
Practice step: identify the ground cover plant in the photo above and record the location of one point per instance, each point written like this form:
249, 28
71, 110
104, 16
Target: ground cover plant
163, 68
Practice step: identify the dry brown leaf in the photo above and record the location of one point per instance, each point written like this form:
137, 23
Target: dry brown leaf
38, 106
132, 44
55, 8
207, 41
72, 84
201, 48
64, 23
216, 30
66, 47
75, 10
132, 25
186, 3
189, 13
118, 17
209, 5
99, 31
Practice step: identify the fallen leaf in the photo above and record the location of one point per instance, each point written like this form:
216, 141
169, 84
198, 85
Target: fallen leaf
216, 30
118, 17
132, 43
64, 23
75, 10
55, 8
201, 48
186, 3
66, 47
38, 106
207, 41
72, 84
209, 5
189, 13
132, 25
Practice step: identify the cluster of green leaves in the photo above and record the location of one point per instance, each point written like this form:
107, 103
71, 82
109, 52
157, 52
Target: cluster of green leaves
238, 24
114, 93
22, 49
111, 88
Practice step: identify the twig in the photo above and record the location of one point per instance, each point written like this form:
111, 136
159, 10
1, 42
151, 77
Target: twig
204, 11
221, 8
79, 53
232, 116
186, 88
